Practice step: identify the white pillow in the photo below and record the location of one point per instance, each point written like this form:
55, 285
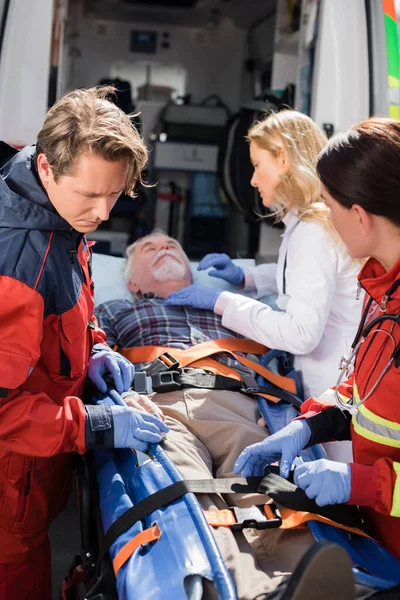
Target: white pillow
109, 282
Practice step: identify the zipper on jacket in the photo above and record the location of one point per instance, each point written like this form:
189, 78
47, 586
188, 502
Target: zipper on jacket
383, 303
24, 490
388, 295
359, 289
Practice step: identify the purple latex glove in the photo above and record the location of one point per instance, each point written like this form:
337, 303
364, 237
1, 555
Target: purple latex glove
325, 481
223, 268
283, 445
198, 296
106, 361
136, 429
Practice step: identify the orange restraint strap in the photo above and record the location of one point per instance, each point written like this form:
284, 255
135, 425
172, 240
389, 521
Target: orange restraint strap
296, 518
226, 518
199, 356
291, 519
148, 535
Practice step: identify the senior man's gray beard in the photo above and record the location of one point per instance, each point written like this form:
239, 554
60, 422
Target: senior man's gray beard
170, 269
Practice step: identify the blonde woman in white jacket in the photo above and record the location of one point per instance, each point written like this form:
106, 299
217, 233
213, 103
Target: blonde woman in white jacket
315, 278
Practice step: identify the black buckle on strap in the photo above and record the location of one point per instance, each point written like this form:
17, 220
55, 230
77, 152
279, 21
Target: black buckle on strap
165, 382
250, 384
165, 362
254, 517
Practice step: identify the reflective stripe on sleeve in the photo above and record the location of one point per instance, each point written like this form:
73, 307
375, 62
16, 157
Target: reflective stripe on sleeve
376, 429
395, 512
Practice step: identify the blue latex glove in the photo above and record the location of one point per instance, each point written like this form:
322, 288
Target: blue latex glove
106, 361
223, 268
325, 481
283, 445
136, 429
198, 296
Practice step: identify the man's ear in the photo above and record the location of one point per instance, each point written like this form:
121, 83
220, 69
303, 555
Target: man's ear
133, 287
44, 169
363, 218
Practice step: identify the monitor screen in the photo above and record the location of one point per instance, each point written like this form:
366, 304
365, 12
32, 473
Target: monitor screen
143, 41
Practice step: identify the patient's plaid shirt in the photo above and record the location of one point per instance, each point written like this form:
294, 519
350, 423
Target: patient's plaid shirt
148, 322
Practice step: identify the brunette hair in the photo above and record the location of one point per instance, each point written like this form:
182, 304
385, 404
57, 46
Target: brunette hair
362, 166
85, 121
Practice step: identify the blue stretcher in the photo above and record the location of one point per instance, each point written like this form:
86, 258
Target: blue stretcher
173, 567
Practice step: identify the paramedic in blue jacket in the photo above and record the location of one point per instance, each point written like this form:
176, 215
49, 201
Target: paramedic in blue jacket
51, 195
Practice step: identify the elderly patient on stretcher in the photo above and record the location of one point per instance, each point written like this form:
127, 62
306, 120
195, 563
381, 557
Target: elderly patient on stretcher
210, 419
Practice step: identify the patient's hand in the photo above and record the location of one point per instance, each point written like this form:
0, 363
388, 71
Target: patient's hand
143, 403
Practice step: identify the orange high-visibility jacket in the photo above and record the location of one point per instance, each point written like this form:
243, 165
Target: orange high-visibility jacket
374, 429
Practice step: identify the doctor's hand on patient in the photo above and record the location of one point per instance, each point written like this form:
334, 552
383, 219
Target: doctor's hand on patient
107, 361
223, 268
283, 445
198, 296
325, 481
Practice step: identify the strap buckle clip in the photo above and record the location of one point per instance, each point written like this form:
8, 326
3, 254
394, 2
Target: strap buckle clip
165, 382
250, 384
263, 516
142, 383
165, 362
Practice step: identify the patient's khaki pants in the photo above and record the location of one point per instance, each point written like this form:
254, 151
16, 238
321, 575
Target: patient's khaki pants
208, 431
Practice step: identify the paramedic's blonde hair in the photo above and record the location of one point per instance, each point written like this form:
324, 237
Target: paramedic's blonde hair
303, 140
128, 264
84, 121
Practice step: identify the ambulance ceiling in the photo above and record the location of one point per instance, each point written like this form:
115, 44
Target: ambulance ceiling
195, 13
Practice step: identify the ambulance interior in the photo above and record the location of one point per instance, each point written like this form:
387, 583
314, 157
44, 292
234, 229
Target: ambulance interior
199, 72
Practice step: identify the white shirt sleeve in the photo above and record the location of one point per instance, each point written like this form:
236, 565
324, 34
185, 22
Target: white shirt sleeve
312, 267
261, 279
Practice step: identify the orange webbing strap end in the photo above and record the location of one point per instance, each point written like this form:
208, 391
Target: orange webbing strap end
220, 518
296, 518
145, 537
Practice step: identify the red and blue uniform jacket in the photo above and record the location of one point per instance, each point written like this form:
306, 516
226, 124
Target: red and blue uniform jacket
373, 428
47, 333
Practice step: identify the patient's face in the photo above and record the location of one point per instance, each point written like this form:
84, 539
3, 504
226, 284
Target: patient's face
159, 265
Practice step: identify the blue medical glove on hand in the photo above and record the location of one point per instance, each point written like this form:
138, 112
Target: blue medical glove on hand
194, 295
136, 429
223, 268
283, 445
106, 361
325, 481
